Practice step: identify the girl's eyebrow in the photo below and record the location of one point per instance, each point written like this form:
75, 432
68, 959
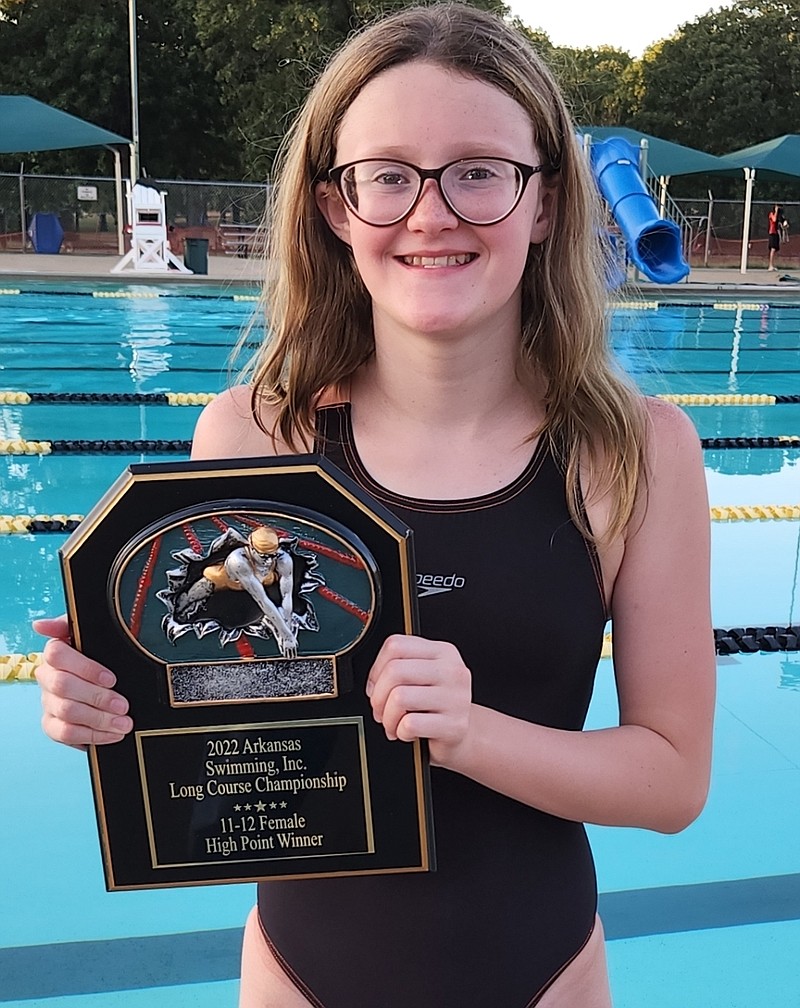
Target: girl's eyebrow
470, 149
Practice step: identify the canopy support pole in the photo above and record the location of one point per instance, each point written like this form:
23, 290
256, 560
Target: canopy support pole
120, 204
749, 178
23, 237
663, 183
708, 228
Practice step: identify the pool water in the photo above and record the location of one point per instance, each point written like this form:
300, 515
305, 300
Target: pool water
706, 918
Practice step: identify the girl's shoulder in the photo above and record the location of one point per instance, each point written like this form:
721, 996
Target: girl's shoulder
227, 427
670, 432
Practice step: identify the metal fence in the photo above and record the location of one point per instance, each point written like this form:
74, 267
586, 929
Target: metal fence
87, 208
718, 225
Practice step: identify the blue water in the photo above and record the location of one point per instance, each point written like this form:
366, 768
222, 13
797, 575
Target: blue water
707, 918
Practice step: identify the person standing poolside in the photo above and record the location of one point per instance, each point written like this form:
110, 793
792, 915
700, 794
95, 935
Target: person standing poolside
778, 227
438, 324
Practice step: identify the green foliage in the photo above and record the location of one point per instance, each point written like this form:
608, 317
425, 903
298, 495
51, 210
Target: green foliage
727, 80
265, 54
219, 80
75, 56
596, 84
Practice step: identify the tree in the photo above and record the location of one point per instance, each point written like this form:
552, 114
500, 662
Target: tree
76, 57
596, 84
265, 54
727, 80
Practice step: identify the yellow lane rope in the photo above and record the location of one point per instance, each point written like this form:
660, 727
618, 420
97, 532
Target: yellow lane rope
722, 399
189, 398
756, 512
19, 667
9, 290
11, 398
19, 447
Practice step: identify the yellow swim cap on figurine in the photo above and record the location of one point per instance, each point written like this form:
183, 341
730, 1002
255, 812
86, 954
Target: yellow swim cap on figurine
264, 540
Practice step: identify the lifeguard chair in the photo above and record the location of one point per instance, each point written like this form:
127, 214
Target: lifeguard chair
149, 251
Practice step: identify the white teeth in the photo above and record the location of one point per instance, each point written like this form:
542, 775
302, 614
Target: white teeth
432, 262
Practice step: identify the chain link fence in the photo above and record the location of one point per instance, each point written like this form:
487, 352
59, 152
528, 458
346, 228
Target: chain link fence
229, 216
87, 211
718, 225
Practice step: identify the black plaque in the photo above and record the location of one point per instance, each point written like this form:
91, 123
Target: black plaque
241, 605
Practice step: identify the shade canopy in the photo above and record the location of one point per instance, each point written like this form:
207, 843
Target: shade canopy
29, 125
779, 157
664, 158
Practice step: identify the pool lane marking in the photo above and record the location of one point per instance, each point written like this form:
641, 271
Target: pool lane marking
118, 964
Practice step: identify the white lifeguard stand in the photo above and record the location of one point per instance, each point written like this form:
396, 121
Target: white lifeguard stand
149, 251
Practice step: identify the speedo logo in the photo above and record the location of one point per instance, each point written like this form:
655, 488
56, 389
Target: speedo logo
435, 584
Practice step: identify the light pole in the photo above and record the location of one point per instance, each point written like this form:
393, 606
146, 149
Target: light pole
132, 45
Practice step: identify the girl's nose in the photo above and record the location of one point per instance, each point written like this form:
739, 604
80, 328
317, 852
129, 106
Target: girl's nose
431, 210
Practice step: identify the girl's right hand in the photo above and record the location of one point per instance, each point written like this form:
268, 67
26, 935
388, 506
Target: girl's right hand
80, 707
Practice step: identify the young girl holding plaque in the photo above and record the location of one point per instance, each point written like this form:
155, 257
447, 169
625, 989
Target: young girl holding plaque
438, 328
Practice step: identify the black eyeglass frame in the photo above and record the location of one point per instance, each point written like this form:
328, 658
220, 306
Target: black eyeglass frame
526, 172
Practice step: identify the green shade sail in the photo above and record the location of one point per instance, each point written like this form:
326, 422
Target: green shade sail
29, 125
664, 157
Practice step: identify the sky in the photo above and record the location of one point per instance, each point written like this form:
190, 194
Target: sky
625, 24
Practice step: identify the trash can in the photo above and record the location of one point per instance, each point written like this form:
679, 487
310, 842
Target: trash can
46, 233
195, 254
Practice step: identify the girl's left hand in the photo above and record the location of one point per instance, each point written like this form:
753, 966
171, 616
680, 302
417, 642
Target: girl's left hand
422, 689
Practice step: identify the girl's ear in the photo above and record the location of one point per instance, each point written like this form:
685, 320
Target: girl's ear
545, 215
332, 209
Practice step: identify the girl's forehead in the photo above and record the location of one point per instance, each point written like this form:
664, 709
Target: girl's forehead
420, 103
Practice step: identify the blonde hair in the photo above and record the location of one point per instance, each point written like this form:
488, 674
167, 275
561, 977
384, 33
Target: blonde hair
319, 312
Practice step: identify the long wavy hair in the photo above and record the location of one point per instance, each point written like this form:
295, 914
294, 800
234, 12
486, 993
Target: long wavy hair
318, 311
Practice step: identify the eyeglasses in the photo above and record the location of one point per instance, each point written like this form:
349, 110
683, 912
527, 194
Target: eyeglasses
477, 190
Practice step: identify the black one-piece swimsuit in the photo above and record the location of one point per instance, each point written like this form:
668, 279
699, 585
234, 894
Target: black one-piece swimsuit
514, 896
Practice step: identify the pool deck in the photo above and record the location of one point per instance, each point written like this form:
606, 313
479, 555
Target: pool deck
231, 269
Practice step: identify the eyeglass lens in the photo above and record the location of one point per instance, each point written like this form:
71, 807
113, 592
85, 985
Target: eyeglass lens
481, 191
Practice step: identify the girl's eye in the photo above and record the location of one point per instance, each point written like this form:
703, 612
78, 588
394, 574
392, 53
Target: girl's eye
478, 174
390, 178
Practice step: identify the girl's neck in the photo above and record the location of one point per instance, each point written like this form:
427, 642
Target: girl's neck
441, 382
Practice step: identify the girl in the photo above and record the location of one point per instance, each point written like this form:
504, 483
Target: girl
437, 316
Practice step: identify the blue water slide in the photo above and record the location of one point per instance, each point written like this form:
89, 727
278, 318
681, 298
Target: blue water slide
653, 244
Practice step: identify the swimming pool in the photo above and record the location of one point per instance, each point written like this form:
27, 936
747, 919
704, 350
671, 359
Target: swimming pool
705, 918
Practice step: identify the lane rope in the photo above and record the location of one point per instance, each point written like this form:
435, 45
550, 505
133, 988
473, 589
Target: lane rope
19, 446
14, 398
737, 640
35, 524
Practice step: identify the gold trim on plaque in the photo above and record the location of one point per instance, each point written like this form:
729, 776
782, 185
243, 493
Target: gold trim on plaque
254, 699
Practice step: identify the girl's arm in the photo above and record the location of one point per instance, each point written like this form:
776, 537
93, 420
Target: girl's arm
652, 770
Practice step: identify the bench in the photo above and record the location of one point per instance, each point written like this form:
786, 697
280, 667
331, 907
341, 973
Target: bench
243, 240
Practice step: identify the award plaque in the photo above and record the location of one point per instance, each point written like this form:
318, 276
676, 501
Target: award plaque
241, 605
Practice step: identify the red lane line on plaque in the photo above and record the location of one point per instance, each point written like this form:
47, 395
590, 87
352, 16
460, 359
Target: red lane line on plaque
145, 581
340, 600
